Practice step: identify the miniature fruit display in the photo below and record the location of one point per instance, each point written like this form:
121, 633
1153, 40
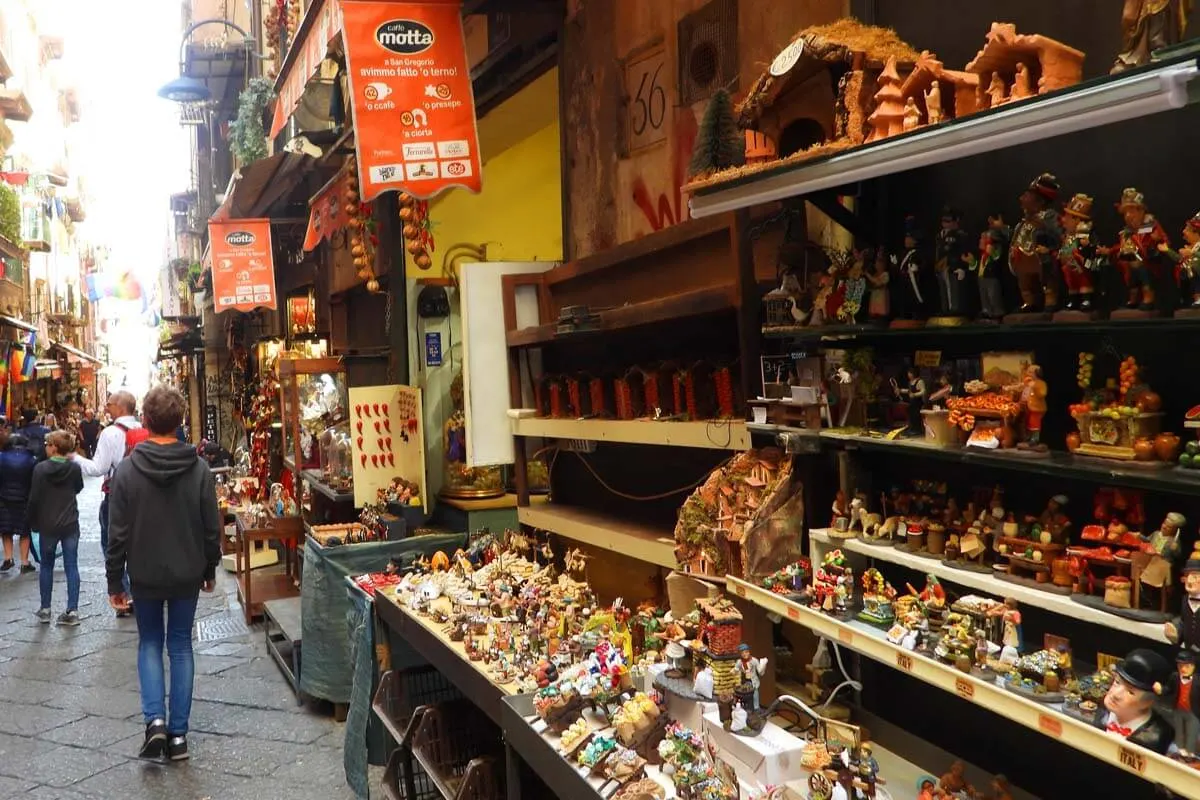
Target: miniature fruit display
1189, 452
1122, 419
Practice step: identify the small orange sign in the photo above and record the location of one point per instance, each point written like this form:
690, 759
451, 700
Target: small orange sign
793, 613
964, 688
243, 268
414, 111
327, 212
904, 661
846, 636
1050, 726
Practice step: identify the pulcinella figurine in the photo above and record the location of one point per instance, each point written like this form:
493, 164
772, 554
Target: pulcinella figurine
1078, 260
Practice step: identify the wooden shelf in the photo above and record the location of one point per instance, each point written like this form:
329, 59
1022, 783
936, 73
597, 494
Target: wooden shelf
1044, 718
662, 309
598, 530
717, 434
491, 503
983, 582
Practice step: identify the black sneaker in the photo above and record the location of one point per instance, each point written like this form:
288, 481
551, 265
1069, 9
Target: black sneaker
28, 568
156, 740
43, 615
7, 565
68, 618
177, 748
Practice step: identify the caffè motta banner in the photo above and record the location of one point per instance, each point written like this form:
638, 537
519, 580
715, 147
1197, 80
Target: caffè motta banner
243, 268
414, 113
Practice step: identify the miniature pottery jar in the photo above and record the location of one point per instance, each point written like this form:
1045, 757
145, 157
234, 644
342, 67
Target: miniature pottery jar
1073, 441
1149, 402
1052, 682
1166, 446
1008, 439
1143, 449
963, 664
935, 539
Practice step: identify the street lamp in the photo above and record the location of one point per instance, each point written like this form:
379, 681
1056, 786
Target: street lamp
185, 88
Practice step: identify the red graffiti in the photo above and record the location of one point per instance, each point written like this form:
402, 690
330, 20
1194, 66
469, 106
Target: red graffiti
666, 211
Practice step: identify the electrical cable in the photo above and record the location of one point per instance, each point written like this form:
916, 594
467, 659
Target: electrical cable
646, 498
850, 682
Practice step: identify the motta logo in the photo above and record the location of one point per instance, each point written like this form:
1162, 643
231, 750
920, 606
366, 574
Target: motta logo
240, 238
404, 36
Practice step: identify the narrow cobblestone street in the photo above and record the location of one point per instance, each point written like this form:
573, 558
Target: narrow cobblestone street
70, 718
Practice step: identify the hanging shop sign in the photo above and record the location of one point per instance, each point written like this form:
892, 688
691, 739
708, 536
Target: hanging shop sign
414, 111
306, 57
243, 270
327, 211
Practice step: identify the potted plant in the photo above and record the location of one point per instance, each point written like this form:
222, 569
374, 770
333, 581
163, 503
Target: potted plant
247, 136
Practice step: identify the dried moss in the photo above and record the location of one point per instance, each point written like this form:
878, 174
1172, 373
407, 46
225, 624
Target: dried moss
879, 44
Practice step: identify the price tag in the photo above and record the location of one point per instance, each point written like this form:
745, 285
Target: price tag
1050, 726
904, 661
1131, 759
740, 591
846, 637
793, 613
964, 688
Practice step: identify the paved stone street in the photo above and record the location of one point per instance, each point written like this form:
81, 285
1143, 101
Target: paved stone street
70, 717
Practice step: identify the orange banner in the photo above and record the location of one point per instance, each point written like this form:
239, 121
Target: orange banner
414, 112
308, 55
243, 267
327, 212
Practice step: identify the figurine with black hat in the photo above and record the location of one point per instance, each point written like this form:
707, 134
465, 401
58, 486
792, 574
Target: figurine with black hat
1183, 693
1128, 709
1036, 240
1139, 257
914, 297
1187, 268
1184, 630
1078, 260
954, 279
993, 254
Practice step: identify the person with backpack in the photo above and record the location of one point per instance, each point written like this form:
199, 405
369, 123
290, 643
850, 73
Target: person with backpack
115, 443
54, 511
16, 474
34, 433
166, 535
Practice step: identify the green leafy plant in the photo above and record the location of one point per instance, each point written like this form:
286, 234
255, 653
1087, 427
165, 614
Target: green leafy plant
247, 136
10, 214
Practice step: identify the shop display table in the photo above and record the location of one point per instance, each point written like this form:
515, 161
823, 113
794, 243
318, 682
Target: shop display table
494, 513
257, 586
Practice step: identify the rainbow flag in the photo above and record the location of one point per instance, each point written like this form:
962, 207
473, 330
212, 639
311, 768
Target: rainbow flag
5, 350
125, 287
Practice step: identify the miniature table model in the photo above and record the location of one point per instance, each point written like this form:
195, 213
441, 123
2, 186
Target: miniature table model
255, 587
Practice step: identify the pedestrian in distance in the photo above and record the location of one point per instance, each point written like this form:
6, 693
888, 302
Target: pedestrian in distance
16, 473
54, 512
89, 432
34, 433
165, 528
112, 447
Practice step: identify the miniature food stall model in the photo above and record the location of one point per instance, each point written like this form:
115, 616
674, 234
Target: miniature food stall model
1000, 411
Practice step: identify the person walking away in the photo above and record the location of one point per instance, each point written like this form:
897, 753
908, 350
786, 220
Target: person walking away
34, 433
163, 481
89, 431
16, 472
113, 445
54, 512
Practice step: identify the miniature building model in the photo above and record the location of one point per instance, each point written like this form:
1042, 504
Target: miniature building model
720, 626
958, 89
1047, 65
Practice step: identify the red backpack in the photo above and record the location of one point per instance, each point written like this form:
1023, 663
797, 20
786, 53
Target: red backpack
132, 437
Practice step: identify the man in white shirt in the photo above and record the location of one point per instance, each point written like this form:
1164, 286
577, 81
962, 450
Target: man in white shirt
110, 450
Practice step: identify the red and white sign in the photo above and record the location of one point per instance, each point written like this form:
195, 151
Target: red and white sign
243, 267
414, 111
327, 212
309, 54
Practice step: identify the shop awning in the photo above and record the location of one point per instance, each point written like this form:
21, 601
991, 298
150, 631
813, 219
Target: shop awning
71, 350
19, 324
257, 187
322, 24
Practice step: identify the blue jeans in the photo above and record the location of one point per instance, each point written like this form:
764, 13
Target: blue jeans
49, 548
104, 538
180, 612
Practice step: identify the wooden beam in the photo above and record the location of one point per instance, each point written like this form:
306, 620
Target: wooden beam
748, 302
827, 203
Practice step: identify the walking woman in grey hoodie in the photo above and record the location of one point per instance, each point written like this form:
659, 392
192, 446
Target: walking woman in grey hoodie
54, 514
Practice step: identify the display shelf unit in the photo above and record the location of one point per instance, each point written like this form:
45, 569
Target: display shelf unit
1091, 104
633, 539
821, 542
1046, 719
722, 434
835, 334
313, 478
1062, 466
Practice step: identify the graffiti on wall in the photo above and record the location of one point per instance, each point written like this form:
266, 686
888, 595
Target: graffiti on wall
669, 207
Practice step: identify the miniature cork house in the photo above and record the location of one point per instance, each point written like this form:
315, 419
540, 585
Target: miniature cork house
1013, 66
958, 89
720, 626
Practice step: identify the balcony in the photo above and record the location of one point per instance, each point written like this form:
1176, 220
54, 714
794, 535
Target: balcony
35, 227
14, 106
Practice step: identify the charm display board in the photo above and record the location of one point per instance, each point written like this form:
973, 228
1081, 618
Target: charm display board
387, 439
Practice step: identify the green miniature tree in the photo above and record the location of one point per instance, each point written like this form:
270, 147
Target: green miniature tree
719, 143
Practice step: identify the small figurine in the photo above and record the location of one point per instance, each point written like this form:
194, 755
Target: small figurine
1022, 87
1036, 237
1184, 630
1010, 616
1055, 521
841, 512
1129, 704
750, 670
853, 289
997, 92
738, 718
1001, 789
1137, 251
844, 788
913, 393
933, 104
1033, 398
1077, 256
1165, 540
1183, 692
879, 306
914, 298
993, 249
1149, 25
952, 276
954, 782
945, 387
912, 115
1187, 267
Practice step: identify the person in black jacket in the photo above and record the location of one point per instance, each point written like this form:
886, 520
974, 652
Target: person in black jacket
34, 433
16, 472
165, 529
89, 431
54, 512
